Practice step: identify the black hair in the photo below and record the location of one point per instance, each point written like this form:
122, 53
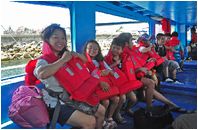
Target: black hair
174, 34
168, 34
118, 41
49, 30
159, 35
125, 37
193, 29
99, 57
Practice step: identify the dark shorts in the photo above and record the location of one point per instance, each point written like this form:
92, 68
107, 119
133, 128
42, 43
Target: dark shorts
65, 113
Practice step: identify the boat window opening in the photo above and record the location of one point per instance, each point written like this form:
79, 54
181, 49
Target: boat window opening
114, 26
21, 41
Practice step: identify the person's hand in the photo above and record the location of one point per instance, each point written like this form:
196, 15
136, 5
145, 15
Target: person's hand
105, 72
117, 59
104, 86
151, 59
75, 54
143, 69
66, 56
111, 72
149, 72
172, 49
165, 58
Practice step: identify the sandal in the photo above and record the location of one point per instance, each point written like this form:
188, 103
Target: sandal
120, 120
113, 124
130, 112
177, 109
106, 125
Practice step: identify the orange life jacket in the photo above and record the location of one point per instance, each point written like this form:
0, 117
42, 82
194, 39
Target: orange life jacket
113, 87
74, 78
134, 54
173, 42
120, 79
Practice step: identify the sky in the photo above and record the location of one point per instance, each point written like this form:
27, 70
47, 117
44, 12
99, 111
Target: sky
32, 16
16, 14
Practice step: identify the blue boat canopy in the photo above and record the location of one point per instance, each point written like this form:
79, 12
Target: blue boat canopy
182, 12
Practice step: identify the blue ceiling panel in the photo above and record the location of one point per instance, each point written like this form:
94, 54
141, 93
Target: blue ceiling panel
184, 12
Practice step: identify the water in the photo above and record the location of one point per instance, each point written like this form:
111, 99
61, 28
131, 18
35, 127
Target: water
13, 67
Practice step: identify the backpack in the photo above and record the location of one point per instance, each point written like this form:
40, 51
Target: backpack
27, 108
161, 118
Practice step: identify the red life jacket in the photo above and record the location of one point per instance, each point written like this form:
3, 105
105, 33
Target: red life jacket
113, 87
74, 77
173, 42
153, 54
134, 54
144, 56
120, 79
30, 79
194, 37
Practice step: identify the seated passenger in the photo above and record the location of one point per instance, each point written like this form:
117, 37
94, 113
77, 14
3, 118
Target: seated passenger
169, 67
148, 84
148, 54
107, 90
170, 43
192, 51
126, 85
49, 70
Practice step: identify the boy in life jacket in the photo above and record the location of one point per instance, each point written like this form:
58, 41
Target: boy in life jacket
108, 91
171, 42
147, 52
169, 67
148, 84
115, 59
50, 70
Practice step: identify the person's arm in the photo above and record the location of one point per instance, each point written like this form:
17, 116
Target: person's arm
81, 56
50, 69
145, 49
168, 47
142, 69
107, 70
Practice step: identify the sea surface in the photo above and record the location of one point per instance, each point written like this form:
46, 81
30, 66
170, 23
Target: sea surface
13, 68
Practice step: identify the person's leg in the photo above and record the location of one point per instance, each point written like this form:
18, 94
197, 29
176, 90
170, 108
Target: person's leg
174, 74
111, 109
113, 105
117, 115
149, 86
174, 66
82, 120
100, 115
163, 99
166, 71
105, 103
132, 100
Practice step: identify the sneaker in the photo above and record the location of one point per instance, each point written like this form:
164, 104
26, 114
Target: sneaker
179, 70
168, 80
177, 82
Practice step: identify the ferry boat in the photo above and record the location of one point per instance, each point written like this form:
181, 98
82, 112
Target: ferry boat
182, 16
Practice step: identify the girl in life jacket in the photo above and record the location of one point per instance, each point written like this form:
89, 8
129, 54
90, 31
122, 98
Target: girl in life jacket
148, 84
107, 91
126, 85
54, 70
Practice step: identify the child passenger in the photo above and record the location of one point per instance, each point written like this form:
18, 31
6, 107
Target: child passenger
47, 69
148, 83
108, 91
169, 67
117, 62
